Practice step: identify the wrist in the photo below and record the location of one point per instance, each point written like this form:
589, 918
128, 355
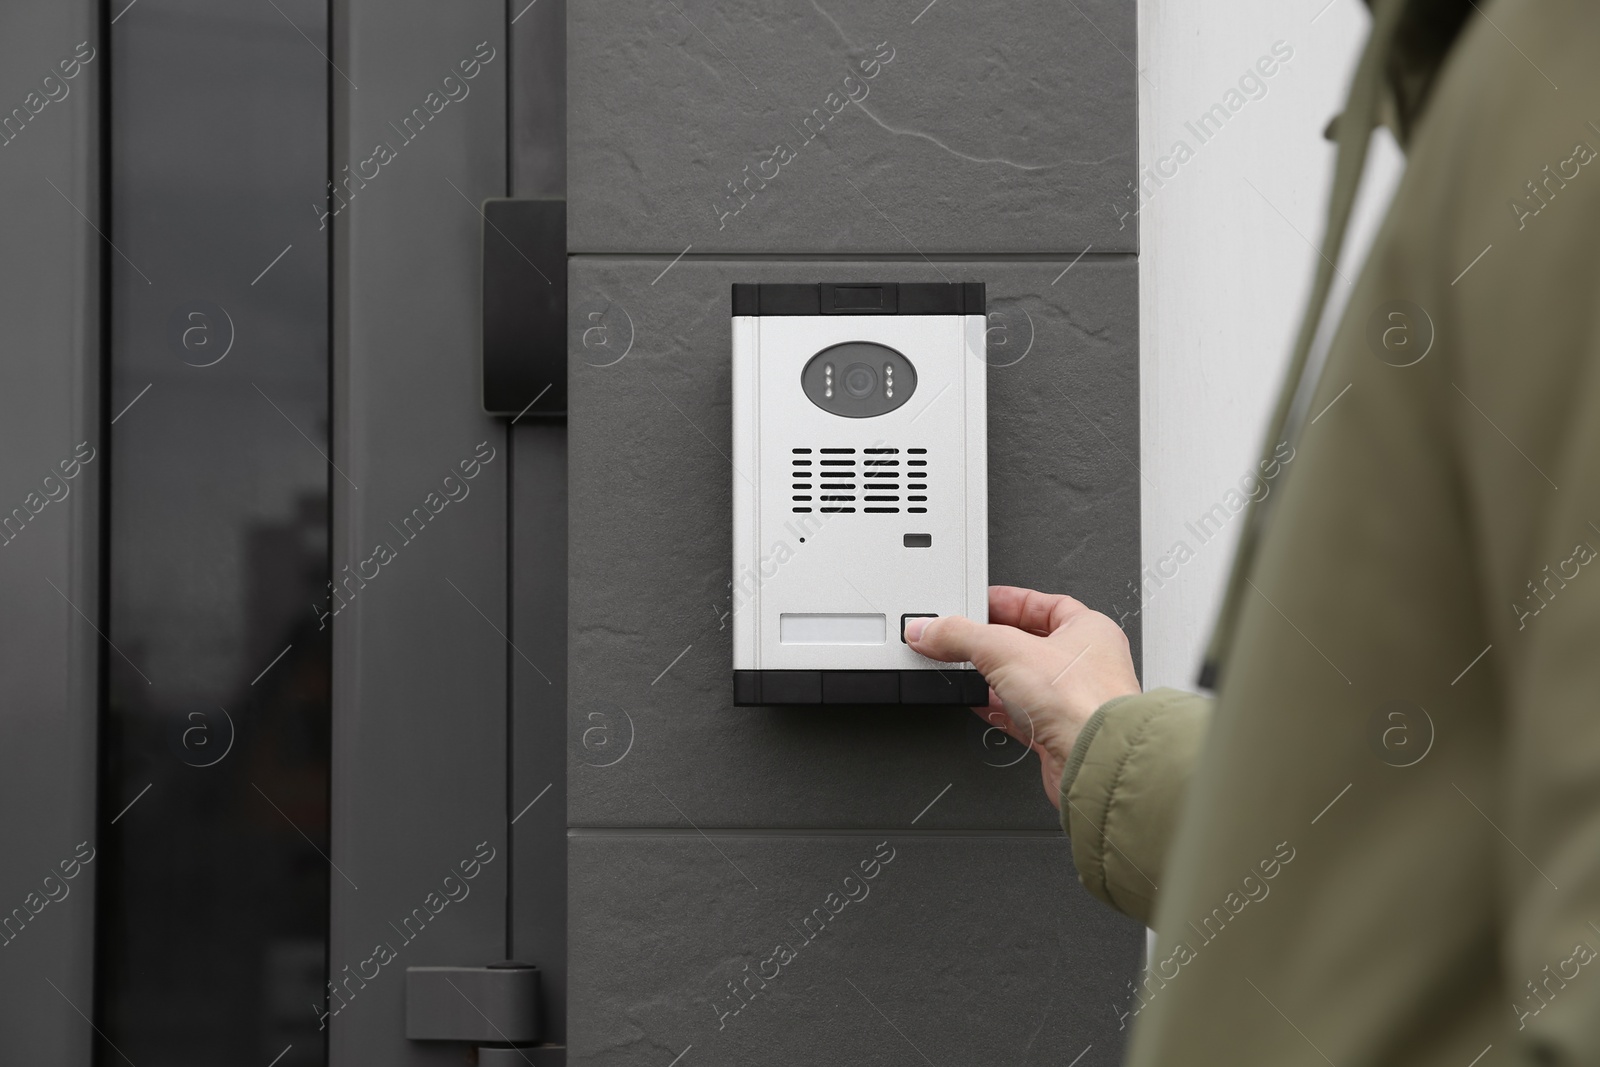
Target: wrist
1076, 713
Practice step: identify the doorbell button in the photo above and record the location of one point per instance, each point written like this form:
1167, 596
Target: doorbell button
905, 618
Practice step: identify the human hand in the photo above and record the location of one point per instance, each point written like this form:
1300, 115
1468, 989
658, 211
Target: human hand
1050, 662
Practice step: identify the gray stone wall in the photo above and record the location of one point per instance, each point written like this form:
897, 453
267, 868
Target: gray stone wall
776, 140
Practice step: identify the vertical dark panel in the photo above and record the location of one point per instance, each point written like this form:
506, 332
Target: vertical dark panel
539, 98
50, 261
420, 646
539, 730
214, 808
538, 914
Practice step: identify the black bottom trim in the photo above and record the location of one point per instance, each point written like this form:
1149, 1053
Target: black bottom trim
953, 688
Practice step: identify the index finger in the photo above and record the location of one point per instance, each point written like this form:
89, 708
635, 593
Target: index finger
1029, 609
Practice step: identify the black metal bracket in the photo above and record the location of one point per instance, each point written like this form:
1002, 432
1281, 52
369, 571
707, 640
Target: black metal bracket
497, 1004
525, 308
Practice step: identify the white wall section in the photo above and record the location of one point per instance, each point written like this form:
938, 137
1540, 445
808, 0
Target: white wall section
1233, 100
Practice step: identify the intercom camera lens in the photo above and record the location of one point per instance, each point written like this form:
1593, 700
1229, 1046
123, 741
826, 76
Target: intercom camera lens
860, 380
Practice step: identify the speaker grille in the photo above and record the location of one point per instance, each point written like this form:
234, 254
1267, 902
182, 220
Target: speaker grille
868, 481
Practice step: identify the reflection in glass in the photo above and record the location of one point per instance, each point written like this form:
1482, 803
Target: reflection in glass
213, 883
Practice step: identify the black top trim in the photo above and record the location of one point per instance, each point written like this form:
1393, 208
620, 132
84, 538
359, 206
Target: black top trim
860, 298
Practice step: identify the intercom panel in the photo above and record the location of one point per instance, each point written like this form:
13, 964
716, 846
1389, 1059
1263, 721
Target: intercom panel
860, 488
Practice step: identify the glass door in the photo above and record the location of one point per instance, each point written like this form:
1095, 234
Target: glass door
214, 870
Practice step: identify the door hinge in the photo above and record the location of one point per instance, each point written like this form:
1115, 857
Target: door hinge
497, 1004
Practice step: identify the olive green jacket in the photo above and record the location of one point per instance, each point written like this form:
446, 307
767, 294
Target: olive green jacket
1380, 843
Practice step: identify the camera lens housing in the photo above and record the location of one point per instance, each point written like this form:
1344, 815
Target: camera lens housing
859, 379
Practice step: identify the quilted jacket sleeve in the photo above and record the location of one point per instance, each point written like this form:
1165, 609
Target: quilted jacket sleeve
1122, 789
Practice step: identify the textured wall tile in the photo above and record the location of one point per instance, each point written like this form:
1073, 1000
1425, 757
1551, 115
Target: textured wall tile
779, 125
960, 950
651, 722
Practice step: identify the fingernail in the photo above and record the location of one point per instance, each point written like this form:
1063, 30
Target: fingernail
914, 628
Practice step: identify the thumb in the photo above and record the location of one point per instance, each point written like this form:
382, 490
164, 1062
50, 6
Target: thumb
954, 638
